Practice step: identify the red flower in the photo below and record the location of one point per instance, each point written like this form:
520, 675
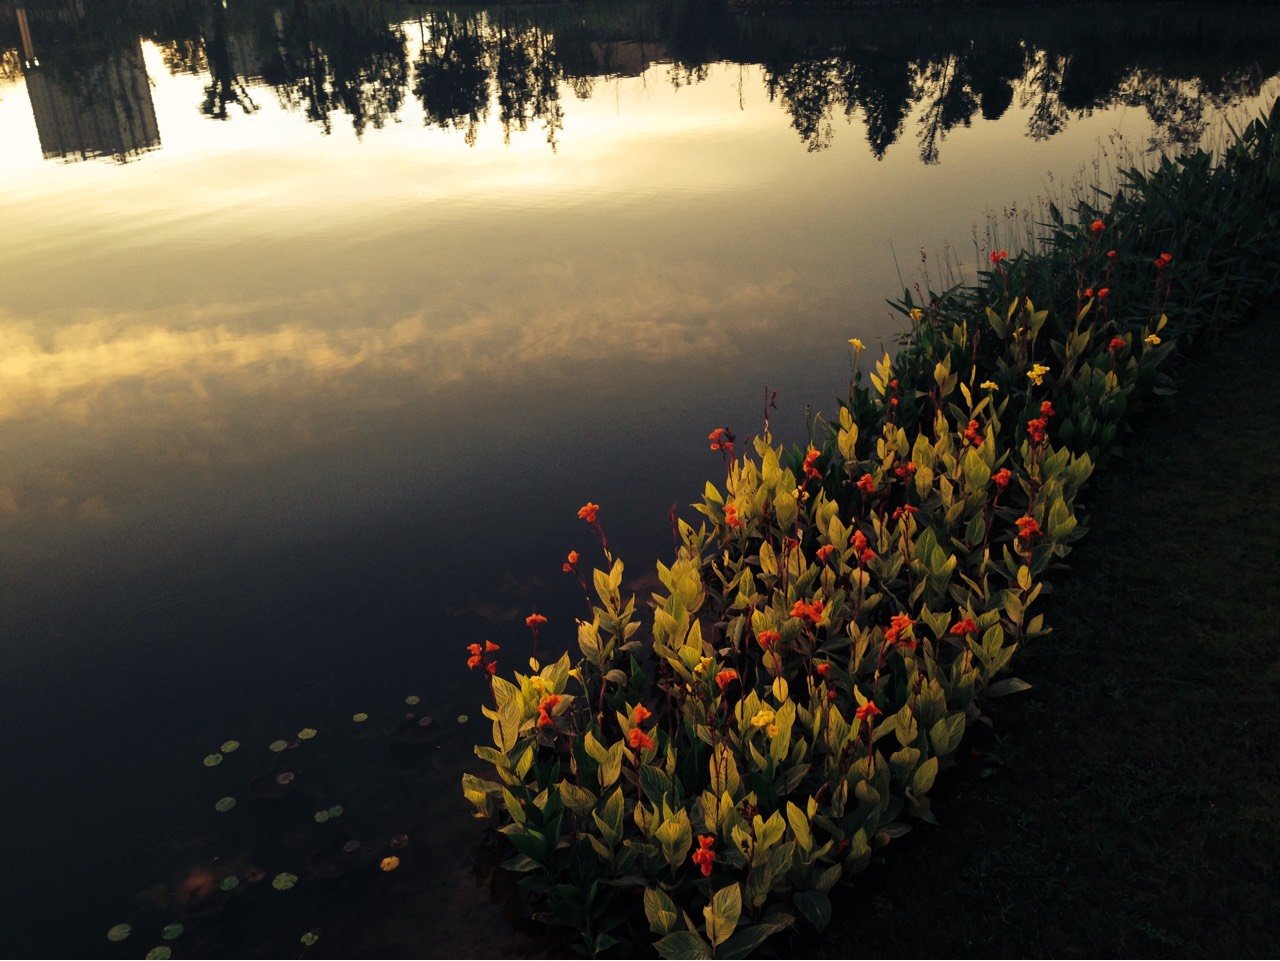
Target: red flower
1036, 430
1111, 255
475, 649
639, 740
534, 619
999, 256
731, 516
906, 510
867, 484
474, 661
810, 459
811, 612
1027, 527
966, 626
825, 551
905, 470
973, 434
1097, 227
545, 707
868, 711
1046, 409
490, 647
588, 512
1002, 477
1104, 293
704, 857
492, 667
1115, 344
1163, 261
1088, 292
571, 562
640, 714
894, 383
721, 439
864, 553
726, 677
767, 639
822, 670
899, 624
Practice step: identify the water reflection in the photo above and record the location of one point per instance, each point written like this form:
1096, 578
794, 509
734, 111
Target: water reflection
467, 67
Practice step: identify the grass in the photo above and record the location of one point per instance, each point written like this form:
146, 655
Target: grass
1131, 809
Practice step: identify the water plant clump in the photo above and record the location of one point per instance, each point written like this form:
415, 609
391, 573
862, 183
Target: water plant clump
837, 618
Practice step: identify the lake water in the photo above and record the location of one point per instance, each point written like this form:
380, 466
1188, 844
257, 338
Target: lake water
319, 320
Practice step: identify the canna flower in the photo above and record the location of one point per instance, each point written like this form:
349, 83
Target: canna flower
1151, 340
973, 434
492, 668
731, 515
966, 626
899, 625
989, 385
867, 484
704, 857
822, 670
763, 718
534, 619
811, 612
1027, 527
1097, 227
1163, 261
905, 470
721, 439
1046, 409
825, 551
1036, 374
389, 864
1088, 292
588, 512
1115, 344
768, 639
917, 314
857, 345
1002, 477
571, 562
906, 510
810, 459
1104, 293
999, 256
725, 678
640, 714
545, 707
1037, 430
1111, 255
639, 740
864, 553
868, 712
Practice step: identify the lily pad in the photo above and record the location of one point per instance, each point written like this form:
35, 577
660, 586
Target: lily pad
230, 746
351, 847
320, 817
285, 777
307, 733
230, 882
359, 718
413, 699
335, 811
212, 760
277, 746
161, 952
463, 719
172, 932
224, 805
119, 932
309, 938
284, 881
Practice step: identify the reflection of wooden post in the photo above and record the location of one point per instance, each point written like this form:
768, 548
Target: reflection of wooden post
28, 48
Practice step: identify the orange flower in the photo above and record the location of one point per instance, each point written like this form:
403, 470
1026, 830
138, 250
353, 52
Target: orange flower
1111, 255
1027, 527
704, 857
1002, 477
1163, 261
767, 639
474, 661
731, 515
1046, 409
973, 434
906, 510
868, 711
476, 649
867, 484
999, 256
899, 624
639, 740
492, 667
588, 512
1097, 227
811, 611
905, 470
825, 551
864, 553
640, 714
726, 677
721, 439
966, 626
570, 562
823, 669
1036, 430
810, 459
390, 864
1115, 344
534, 619
1104, 293
545, 707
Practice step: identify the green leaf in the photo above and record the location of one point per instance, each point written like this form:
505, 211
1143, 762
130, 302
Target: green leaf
799, 826
815, 906
682, 944
723, 912
1010, 685
924, 776
660, 910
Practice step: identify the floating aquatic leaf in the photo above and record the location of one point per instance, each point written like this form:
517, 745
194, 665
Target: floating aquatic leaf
230, 746
351, 847
284, 881
463, 719
306, 734
360, 718
160, 952
278, 746
321, 817
119, 932
335, 811
230, 882
224, 805
212, 760
413, 699
309, 938
390, 864
400, 841
285, 777
425, 721
172, 932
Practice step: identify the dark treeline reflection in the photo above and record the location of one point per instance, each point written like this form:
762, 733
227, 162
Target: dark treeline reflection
468, 66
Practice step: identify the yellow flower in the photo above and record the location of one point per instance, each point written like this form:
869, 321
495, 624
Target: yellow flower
857, 345
917, 314
771, 730
1151, 340
1036, 373
763, 718
989, 385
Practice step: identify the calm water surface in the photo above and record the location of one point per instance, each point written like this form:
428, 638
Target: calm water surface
318, 321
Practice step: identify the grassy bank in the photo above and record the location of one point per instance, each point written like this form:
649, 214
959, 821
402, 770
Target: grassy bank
1127, 809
